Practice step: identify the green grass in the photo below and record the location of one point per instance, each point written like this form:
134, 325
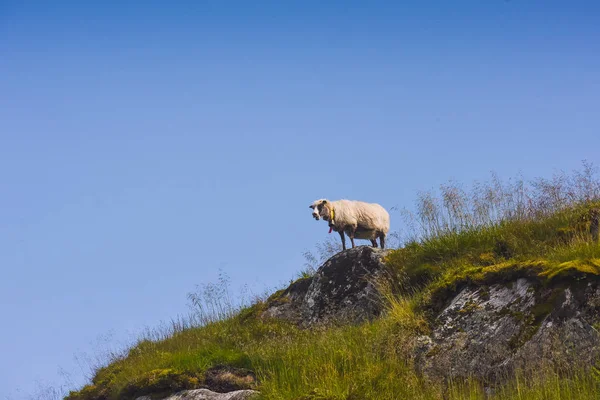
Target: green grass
373, 360
547, 248
369, 361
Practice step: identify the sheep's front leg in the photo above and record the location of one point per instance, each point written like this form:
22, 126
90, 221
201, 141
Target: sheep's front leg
374, 242
343, 240
352, 232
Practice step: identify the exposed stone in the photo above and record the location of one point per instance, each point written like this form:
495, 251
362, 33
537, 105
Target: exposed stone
288, 304
205, 394
342, 290
488, 331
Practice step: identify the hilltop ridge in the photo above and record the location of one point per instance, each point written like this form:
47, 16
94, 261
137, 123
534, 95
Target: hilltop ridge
500, 302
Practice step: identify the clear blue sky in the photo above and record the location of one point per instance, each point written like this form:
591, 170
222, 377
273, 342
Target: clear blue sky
143, 147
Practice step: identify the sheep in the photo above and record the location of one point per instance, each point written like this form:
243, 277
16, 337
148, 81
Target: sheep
357, 219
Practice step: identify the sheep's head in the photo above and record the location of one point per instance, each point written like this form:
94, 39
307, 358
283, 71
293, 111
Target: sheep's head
321, 209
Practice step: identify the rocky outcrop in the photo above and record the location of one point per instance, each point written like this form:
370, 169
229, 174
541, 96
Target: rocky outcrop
343, 290
490, 330
205, 394
483, 331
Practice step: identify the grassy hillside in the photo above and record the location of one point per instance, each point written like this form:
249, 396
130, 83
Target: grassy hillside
494, 233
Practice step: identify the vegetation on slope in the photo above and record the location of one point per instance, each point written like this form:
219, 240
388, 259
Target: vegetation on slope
496, 233
548, 247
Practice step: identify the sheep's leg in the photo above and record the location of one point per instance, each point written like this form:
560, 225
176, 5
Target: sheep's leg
382, 240
343, 240
352, 232
374, 242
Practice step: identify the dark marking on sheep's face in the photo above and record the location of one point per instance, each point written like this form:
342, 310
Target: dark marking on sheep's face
320, 209
315, 212
324, 211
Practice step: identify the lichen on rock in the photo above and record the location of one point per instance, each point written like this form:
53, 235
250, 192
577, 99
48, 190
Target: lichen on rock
522, 325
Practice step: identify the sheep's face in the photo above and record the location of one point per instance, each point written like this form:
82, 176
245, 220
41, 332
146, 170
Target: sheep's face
320, 209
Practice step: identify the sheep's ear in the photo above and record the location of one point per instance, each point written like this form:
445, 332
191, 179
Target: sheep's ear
312, 206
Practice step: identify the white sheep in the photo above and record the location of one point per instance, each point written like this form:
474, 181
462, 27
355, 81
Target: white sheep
359, 220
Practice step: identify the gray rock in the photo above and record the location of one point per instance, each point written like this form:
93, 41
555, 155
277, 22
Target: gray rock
488, 331
342, 290
205, 394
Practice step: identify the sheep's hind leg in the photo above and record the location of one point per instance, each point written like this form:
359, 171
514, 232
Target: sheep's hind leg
374, 242
352, 232
382, 240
